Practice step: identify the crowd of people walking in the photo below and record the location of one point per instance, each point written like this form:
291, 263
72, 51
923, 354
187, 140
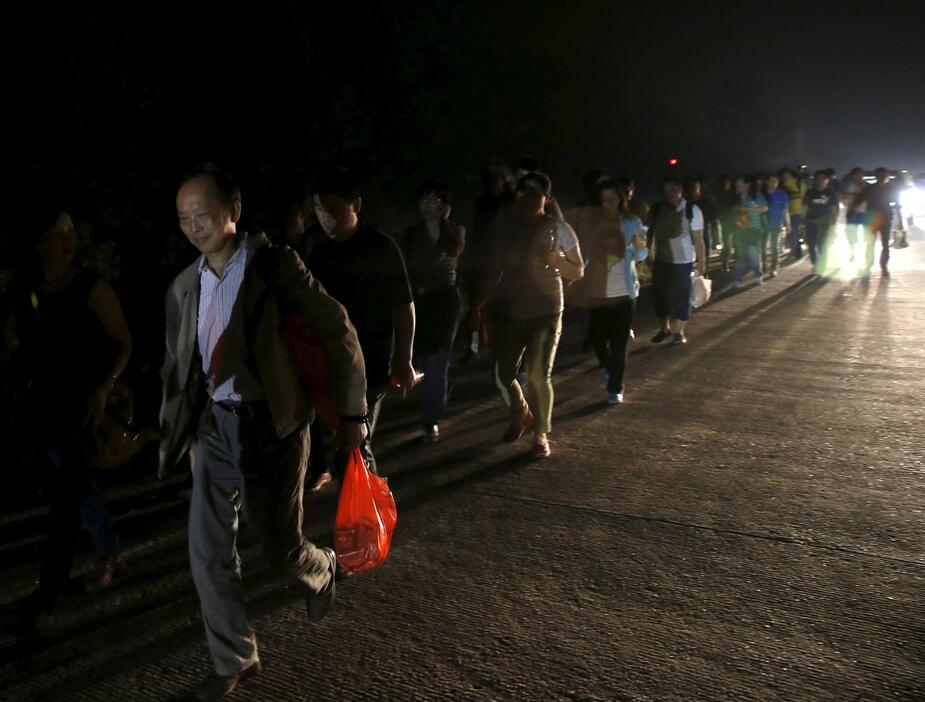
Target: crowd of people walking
387, 313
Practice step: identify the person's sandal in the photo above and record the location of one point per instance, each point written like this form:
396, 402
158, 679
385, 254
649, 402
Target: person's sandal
541, 450
517, 428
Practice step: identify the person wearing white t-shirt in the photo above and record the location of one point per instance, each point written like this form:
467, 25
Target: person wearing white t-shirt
613, 285
676, 235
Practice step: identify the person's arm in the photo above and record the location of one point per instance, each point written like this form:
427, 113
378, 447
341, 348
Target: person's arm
762, 205
567, 255
105, 304
700, 251
404, 347
569, 262
636, 247
399, 296
650, 230
455, 244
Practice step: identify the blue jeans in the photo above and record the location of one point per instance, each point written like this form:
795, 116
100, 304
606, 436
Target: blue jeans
436, 367
752, 253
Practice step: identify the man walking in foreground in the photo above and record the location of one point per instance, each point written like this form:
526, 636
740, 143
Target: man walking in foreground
231, 392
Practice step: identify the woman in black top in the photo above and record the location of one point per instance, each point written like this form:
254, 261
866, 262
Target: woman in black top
74, 343
432, 248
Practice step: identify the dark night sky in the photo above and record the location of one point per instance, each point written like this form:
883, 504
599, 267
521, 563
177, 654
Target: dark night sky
120, 101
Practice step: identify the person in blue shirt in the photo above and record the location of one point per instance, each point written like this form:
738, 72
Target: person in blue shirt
778, 220
750, 206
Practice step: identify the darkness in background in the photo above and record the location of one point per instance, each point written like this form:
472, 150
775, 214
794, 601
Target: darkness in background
107, 104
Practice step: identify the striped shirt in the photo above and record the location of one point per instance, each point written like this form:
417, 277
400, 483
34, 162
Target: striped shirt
222, 343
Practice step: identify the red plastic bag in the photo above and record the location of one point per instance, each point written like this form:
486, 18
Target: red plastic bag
366, 517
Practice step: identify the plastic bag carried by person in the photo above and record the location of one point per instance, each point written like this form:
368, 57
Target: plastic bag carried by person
366, 517
701, 289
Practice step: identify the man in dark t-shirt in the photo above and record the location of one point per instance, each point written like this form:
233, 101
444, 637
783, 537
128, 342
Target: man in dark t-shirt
820, 211
878, 200
363, 269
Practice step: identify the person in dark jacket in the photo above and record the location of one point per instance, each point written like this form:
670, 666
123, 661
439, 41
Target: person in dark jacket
432, 248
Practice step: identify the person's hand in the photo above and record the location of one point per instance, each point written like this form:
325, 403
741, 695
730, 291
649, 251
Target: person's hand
350, 436
95, 407
639, 242
701, 267
404, 373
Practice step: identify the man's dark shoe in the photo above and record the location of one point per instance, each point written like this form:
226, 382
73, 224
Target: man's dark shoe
218, 687
661, 336
517, 428
431, 434
318, 604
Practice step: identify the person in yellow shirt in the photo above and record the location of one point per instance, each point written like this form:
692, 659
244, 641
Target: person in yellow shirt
795, 190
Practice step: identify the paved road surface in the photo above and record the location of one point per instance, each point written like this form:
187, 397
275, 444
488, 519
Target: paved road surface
748, 526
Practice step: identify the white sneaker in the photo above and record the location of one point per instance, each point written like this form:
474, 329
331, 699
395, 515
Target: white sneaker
615, 398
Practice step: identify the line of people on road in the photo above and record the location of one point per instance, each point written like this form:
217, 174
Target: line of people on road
234, 401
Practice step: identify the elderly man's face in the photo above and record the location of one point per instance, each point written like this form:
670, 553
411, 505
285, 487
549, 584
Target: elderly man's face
207, 220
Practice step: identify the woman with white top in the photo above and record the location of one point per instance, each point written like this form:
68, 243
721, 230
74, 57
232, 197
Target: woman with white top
613, 284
